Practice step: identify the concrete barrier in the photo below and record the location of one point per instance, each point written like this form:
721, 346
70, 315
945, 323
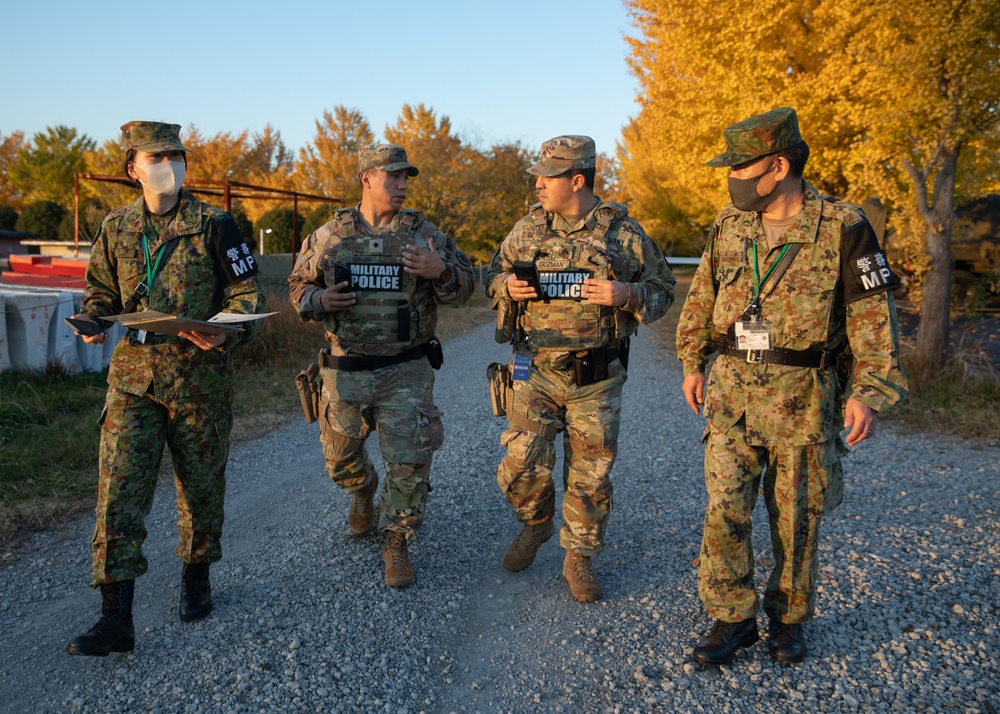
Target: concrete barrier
4, 349
33, 334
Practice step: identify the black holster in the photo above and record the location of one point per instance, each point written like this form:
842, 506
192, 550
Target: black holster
590, 366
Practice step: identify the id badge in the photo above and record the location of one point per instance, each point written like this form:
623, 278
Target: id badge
522, 366
753, 335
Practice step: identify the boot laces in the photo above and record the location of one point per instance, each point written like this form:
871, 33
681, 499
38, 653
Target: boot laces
396, 545
580, 566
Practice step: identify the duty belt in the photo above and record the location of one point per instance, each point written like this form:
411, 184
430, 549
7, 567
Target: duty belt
814, 359
358, 364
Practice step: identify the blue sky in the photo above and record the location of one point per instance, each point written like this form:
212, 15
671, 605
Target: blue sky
504, 71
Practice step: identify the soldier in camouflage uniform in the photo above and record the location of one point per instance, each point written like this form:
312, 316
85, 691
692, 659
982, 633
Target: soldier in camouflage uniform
172, 253
374, 276
600, 276
775, 405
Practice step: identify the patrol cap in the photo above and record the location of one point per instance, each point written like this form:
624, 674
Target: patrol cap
151, 136
760, 135
385, 157
565, 153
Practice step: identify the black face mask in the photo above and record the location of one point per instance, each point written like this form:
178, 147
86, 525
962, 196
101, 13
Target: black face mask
743, 192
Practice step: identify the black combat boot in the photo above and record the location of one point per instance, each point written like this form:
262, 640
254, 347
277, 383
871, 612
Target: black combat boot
114, 632
196, 592
720, 644
787, 644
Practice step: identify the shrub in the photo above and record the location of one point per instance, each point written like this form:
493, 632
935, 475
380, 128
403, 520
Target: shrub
43, 218
279, 220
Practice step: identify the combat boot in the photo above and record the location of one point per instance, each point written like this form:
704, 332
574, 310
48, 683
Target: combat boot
196, 592
787, 644
521, 552
583, 584
362, 511
398, 571
720, 644
114, 632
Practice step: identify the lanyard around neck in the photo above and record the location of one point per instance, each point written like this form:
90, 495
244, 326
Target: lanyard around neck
151, 271
757, 280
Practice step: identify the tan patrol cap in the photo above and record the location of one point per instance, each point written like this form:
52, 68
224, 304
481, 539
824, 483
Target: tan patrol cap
565, 153
385, 157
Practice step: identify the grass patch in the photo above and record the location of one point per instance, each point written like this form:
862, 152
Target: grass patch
48, 445
962, 398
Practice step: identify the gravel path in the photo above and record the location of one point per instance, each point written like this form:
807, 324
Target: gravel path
907, 621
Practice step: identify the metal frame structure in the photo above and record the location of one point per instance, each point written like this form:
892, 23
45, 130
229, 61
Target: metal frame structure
211, 187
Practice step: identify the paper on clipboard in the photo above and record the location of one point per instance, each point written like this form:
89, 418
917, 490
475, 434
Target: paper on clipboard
164, 324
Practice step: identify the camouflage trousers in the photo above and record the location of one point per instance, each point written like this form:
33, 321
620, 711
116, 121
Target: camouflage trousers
589, 417
398, 402
135, 429
800, 484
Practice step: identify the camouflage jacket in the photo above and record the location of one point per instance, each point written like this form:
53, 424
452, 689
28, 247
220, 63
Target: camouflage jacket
199, 278
834, 294
315, 269
624, 253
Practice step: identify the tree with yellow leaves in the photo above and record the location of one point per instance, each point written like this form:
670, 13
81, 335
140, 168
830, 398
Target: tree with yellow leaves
891, 96
329, 165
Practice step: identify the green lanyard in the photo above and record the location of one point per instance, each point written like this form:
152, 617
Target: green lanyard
754, 308
151, 272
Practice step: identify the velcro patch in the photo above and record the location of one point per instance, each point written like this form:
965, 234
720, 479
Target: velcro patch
380, 277
562, 284
731, 256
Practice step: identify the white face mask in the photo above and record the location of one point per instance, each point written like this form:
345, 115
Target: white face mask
163, 178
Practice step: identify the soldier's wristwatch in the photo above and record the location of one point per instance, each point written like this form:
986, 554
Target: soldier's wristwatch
445, 275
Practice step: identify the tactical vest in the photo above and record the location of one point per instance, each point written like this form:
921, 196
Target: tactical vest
392, 306
561, 319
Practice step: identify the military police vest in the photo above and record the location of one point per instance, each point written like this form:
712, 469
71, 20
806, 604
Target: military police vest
392, 306
561, 319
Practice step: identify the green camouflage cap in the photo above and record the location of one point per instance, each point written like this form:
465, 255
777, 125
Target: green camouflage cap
385, 157
564, 153
151, 136
758, 136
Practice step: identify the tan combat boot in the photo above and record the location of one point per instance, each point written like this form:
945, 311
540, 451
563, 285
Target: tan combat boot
362, 512
398, 571
583, 584
522, 550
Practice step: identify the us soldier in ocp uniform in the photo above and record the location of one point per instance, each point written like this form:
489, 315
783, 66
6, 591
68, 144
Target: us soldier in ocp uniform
172, 253
601, 276
374, 276
775, 408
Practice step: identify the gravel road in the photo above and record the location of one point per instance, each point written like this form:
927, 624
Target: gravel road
907, 620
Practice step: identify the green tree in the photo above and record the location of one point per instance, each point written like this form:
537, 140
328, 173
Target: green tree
8, 217
43, 218
499, 192
317, 217
44, 170
244, 224
10, 147
328, 166
279, 221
